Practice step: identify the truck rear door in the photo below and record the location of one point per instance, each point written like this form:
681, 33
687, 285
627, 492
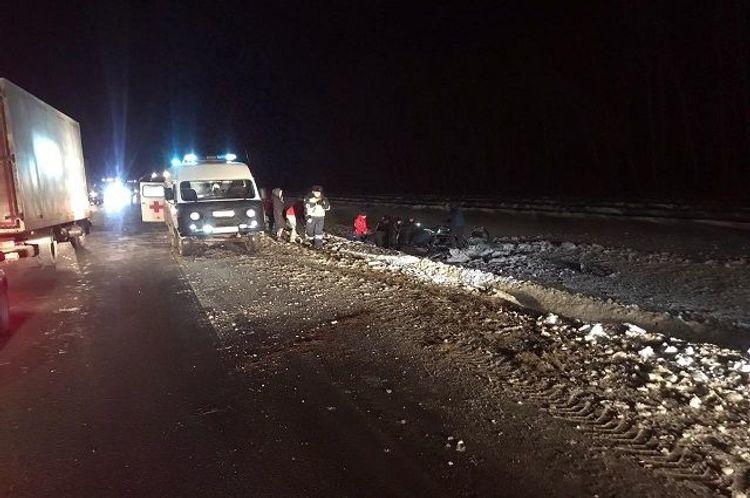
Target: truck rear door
8, 211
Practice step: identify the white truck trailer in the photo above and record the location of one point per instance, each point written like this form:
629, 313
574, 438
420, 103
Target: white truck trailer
43, 191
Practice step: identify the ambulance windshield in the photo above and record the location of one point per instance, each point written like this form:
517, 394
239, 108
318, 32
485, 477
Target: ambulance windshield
208, 190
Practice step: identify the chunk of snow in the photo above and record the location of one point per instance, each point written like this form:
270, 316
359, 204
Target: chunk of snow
700, 377
733, 397
596, 331
458, 256
670, 350
551, 319
646, 352
684, 361
695, 402
634, 330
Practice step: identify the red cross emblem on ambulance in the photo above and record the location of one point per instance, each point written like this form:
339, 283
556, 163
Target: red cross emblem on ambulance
153, 204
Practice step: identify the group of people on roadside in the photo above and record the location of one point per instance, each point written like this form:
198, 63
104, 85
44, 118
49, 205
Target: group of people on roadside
389, 233
399, 233
286, 215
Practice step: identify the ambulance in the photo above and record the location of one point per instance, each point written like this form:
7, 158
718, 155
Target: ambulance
212, 200
153, 203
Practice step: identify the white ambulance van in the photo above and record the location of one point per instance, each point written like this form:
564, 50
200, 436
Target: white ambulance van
212, 200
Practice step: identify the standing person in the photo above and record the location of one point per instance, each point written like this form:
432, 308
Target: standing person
383, 231
267, 210
406, 234
277, 197
291, 218
396, 233
458, 226
361, 228
316, 206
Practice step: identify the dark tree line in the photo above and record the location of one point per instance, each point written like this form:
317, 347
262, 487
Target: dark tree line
624, 99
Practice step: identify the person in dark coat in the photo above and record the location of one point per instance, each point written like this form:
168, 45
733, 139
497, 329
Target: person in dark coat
267, 203
406, 236
383, 232
458, 226
277, 197
394, 242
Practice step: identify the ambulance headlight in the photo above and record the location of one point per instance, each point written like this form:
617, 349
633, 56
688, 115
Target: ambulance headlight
193, 227
195, 216
253, 224
250, 213
208, 229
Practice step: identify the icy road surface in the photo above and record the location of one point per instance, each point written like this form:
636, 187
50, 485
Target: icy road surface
290, 372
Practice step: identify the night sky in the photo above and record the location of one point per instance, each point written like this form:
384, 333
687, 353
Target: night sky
625, 99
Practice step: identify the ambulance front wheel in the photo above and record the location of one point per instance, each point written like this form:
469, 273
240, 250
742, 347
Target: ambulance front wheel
185, 246
252, 244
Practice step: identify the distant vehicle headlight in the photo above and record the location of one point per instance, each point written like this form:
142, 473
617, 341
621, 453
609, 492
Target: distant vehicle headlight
193, 227
116, 197
253, 224
250, 213
208, 229
195, 216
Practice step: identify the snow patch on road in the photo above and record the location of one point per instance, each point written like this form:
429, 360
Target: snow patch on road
428, 270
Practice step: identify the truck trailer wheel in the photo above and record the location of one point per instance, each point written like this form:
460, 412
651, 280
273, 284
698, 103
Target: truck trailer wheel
79, 241
4, 306
47, 256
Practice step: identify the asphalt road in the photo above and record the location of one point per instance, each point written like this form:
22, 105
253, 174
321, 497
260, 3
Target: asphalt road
113, 383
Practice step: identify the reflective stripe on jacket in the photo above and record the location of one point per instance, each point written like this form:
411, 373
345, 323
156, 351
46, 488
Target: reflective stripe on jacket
316, 209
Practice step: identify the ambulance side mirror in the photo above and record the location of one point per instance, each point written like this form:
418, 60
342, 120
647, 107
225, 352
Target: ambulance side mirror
168, 194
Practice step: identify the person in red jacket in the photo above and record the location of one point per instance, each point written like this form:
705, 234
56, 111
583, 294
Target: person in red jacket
361, 228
